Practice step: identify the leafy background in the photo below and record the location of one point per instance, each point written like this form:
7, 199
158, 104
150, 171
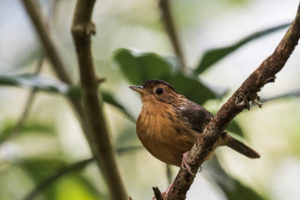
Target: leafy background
223, 42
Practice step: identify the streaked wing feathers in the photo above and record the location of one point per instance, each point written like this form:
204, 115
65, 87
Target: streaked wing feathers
196, 115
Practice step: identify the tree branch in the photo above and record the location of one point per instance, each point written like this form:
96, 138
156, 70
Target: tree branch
59, 68
82, 29
56, 61
171, 30
265, 73
50, 49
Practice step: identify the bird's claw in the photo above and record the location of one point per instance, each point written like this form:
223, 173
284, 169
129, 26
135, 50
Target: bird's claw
257, 102
270, 79
242, 102
184, 163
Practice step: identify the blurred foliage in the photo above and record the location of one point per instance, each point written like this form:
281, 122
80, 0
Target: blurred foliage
46, 172
77, 188
213, 56
233, 188
140, 67
39, 168
235, 128
112, 100
7, 129
39, 83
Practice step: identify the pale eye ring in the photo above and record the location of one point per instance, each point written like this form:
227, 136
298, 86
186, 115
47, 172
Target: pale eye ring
159, 91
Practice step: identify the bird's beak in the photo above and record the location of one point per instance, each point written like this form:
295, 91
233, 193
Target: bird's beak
139, 89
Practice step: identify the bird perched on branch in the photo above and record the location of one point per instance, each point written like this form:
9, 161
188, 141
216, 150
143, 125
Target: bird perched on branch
169, 124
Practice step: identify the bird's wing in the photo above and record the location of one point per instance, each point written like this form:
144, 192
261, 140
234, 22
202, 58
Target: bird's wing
195, 115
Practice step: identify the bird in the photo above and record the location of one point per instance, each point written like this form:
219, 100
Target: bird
169, 124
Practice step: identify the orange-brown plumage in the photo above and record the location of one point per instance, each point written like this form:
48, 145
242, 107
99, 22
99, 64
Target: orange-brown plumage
169, 123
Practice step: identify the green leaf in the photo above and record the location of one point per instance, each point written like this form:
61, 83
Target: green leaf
55, 174
27, 128
40, 168
212, 56
233, 188
191, 87
38, 82
240, 191
140, 67
90, 188
27, 58
77, 188
235, 128
110, 99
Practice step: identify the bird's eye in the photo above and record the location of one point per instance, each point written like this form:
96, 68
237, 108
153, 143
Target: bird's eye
159, 91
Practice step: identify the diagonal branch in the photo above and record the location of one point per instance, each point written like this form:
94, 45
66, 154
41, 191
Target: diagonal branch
171, 30
33, 10
50, 49
27, 106
76, 166
70, 169
265, 73
32, 94
294, 93
82, 29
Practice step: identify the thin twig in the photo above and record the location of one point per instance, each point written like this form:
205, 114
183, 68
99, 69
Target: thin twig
71, 168
295, 93
27, 106
45, 183
157, 193
82, 29
56, 61
32, 93
31, 96
171, 30
205, 143
50, 49
124, 150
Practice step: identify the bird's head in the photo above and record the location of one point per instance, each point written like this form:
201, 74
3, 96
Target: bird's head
157, 90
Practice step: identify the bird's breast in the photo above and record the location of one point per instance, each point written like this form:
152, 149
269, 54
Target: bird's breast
164, 134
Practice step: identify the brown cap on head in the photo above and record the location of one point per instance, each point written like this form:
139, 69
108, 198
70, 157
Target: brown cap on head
152, 83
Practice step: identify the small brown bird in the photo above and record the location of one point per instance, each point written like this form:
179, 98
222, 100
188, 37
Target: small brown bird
169, 124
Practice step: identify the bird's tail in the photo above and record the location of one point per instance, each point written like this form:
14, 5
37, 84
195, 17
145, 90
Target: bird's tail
242, 148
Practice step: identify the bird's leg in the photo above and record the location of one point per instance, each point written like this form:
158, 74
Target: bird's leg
165, 193
184, 163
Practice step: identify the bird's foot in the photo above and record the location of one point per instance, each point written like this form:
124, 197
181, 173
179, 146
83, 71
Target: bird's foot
242, 102
270, 79
184, 163
257, 102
